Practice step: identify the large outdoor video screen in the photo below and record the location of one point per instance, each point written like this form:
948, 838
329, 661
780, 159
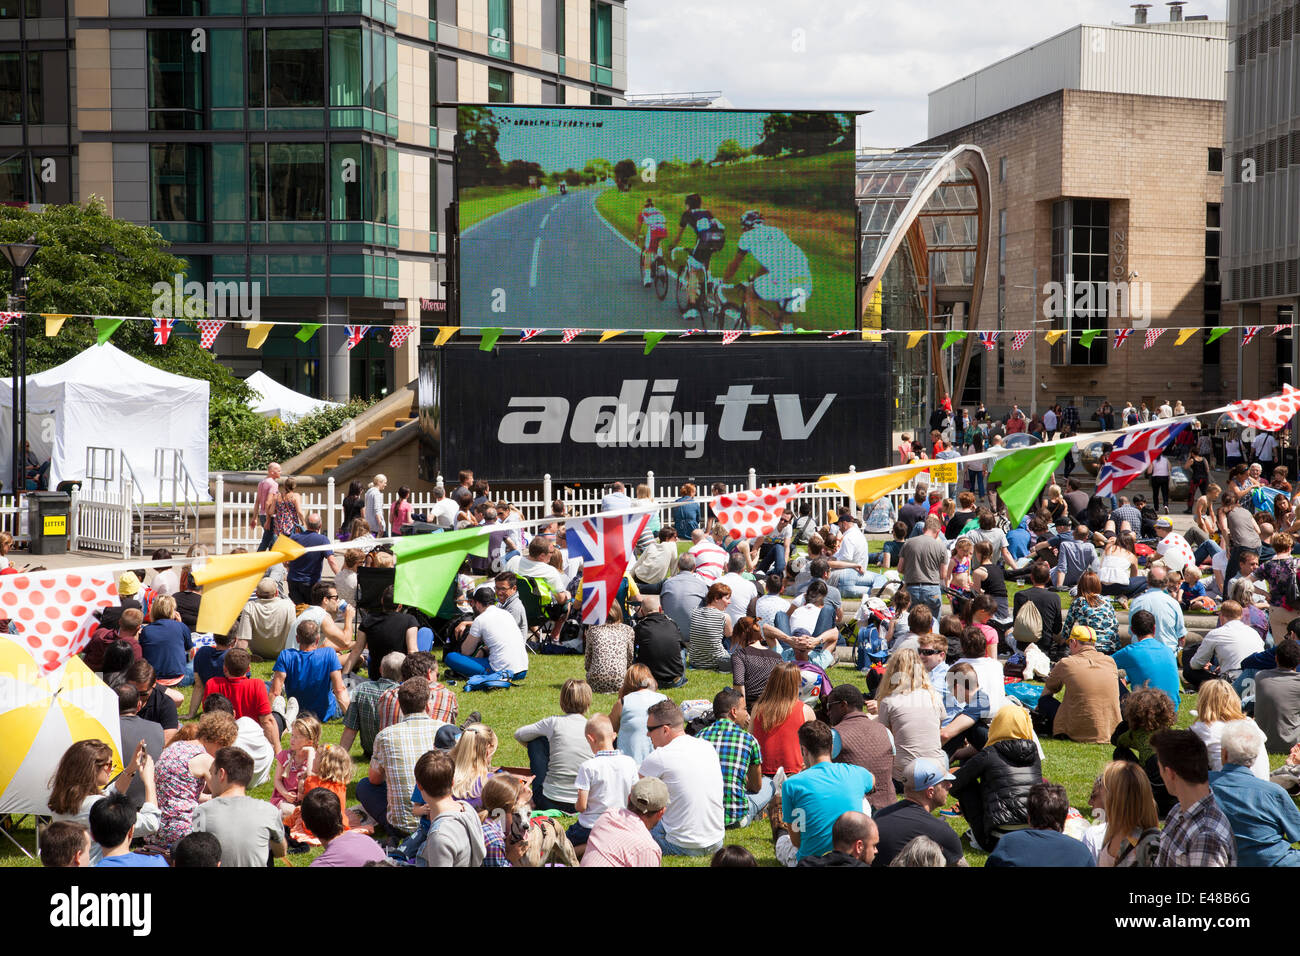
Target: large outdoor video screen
558, 205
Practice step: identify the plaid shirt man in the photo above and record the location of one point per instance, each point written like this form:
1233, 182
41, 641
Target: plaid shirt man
1197, 836
397, 748
442, 706
363, 713
737, 752
1131, 515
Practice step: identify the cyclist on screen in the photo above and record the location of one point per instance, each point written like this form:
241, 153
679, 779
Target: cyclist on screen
710, 237
655, 224
783, 276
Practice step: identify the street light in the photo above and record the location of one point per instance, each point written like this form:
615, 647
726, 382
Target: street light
19, 255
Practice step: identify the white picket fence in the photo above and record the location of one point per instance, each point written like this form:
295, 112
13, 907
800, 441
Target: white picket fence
236, 512
102, 520
13, 519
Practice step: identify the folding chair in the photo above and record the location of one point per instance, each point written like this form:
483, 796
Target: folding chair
532, 594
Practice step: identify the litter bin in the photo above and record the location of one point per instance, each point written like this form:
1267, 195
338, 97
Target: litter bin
47, 521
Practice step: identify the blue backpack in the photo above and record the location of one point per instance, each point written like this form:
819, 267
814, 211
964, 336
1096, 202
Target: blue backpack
494, 681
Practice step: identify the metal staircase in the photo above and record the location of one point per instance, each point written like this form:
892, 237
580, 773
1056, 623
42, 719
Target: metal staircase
169, 518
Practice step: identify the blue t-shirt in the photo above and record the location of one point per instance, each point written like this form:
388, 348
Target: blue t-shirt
1040, 848
814, 799
165, 645
133, 859
1149, 660
208, 662
307, 677
686, 518
306, 570
1018, 543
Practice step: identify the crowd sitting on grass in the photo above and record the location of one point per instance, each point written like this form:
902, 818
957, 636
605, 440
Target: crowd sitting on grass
946, 729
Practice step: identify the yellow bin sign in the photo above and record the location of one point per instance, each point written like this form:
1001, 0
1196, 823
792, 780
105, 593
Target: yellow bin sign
943, 473
55, 524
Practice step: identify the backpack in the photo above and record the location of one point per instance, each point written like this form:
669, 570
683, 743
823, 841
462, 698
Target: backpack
1028, 626
714, 234
495, 681
1143, 853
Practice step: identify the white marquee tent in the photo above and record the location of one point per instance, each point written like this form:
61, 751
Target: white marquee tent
279, 401
105, 398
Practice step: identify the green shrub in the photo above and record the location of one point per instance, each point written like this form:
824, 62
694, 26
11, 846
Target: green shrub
242, 440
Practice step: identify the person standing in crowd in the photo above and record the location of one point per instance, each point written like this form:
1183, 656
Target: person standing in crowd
1159, 472
374, 505
353, 504
267, 489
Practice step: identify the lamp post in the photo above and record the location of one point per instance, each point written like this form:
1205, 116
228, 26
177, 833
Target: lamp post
19, 255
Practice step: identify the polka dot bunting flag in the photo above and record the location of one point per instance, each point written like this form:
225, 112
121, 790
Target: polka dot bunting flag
752, 514
53, 612
1270, 413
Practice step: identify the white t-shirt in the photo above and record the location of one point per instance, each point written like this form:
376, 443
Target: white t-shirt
252, 741
375, 510
710, 560
444, 513
853, 547
1176, 552
500, 633
990, 677
166, 582
1263, 446
689, 767
1049, 420
768, 606
805, 616
608, 778
526, 567
742, 592
1160, 467
1166, 411
774, 250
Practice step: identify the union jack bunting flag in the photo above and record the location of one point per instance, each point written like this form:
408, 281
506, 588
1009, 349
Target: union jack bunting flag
1132, 453
1248, 334
526, 334
691, 332
355, 334
1121, 336
605, 546
989, 340
162, 330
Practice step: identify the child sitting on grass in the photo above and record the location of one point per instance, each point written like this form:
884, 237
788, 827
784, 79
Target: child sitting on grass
962, 553
291, 766
329, 768
603, 782
892, 549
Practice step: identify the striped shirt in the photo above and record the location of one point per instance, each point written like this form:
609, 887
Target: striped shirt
442, 706
706, 637
619, 838
710, 560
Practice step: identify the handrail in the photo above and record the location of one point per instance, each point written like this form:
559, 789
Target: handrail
189, 498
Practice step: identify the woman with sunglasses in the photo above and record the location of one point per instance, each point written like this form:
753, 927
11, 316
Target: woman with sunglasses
83, 776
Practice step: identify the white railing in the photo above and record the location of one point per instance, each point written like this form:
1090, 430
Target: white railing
176, 488
13, 518
236, 525
103, 521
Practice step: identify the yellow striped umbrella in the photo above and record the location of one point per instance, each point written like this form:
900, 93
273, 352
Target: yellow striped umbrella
41, 717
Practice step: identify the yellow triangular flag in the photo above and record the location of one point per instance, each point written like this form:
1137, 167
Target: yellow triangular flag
54, 323
228, 581
444, 333
767, 332
257, 333
1054, 335
605, 336
864, 489
914, 337
1184, 335
871, 335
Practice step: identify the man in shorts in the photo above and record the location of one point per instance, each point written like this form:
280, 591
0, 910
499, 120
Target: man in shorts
783, 275
655, 224
710, 236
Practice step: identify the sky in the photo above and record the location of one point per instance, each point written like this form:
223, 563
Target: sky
884, 56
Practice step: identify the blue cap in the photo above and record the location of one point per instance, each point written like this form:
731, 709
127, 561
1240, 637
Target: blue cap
926, 773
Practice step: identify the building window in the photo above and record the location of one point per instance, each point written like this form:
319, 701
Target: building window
1216, 159
500, 87
601, 99
346, 67
499, 28
1212, 354
295, 182
178, 183
1080, 263
295, 68
602, 35
47, 87
447, 11
1002, 169
175, 81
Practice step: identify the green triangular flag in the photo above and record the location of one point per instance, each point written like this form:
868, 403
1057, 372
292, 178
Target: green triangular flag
305, 333
1218, 331
952, 338
651, 340
1086, 339
104, 329
490, 337
1023, 474
427, 565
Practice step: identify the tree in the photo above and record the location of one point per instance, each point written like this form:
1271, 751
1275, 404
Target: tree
805, 134
92, 264
518, 172
479, 161
624, 170
729, 151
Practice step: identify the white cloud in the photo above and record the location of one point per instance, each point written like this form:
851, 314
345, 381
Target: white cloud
884, 57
